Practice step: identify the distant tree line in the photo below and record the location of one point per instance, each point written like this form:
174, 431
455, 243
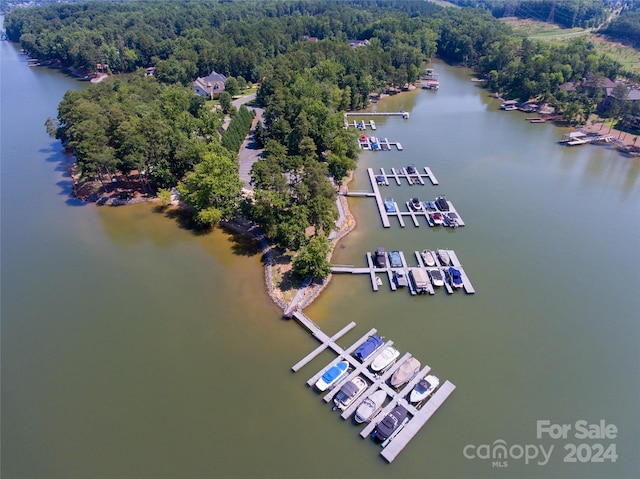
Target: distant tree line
625, 28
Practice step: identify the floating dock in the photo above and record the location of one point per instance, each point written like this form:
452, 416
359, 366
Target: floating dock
378, 381
360, 125
375, 272
377, 144
395, 447
411, 178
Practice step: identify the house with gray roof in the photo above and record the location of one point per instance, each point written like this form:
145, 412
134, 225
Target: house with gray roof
211, 86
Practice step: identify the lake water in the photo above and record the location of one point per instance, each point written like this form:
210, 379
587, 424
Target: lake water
133, 348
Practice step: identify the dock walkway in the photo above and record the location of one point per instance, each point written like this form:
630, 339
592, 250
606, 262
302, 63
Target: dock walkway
327, 342
391, 451
403, 114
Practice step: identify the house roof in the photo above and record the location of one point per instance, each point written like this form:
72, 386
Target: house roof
214, 77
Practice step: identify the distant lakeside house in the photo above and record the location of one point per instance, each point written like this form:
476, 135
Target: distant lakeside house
211, 86
608, 88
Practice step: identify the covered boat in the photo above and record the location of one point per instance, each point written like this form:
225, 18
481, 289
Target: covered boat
391, 423
386, 357
405, 372
442, 203
400, 278
332, 376
424, 389
389, 205
367, 348
455, 277
420, 279
427, 257
394, 259
349, 392
370, 407
381, 257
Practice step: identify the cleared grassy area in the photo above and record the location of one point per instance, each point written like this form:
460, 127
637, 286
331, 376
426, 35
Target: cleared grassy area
629, 57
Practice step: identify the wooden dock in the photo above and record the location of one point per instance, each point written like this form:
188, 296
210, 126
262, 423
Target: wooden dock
399, 442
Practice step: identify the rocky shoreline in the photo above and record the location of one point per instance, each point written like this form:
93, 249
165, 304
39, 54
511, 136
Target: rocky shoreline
299, 296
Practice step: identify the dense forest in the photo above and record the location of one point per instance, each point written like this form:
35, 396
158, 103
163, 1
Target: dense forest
626, 27
309, 74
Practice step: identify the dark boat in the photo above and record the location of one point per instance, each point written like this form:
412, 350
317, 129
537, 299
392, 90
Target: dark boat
390, 423
367, 348
381, 257
349, 392
442, 204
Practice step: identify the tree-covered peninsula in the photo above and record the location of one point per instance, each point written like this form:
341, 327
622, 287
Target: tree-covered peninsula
313, 60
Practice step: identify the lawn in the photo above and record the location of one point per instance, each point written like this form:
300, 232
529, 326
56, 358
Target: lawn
629, 57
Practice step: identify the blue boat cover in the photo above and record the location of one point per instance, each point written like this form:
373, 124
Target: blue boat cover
369, 346
455, 275
333, 372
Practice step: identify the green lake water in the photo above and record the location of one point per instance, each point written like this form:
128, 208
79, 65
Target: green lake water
134, 348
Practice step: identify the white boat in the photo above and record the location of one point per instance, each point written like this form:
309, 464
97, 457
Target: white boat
386, 357
332, 376
444, 257
436, 277
427, 257
378, 281
424, 389
405, 372
370, 407
349, 392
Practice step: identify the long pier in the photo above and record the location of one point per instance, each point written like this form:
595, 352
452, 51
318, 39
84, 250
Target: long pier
403, 114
